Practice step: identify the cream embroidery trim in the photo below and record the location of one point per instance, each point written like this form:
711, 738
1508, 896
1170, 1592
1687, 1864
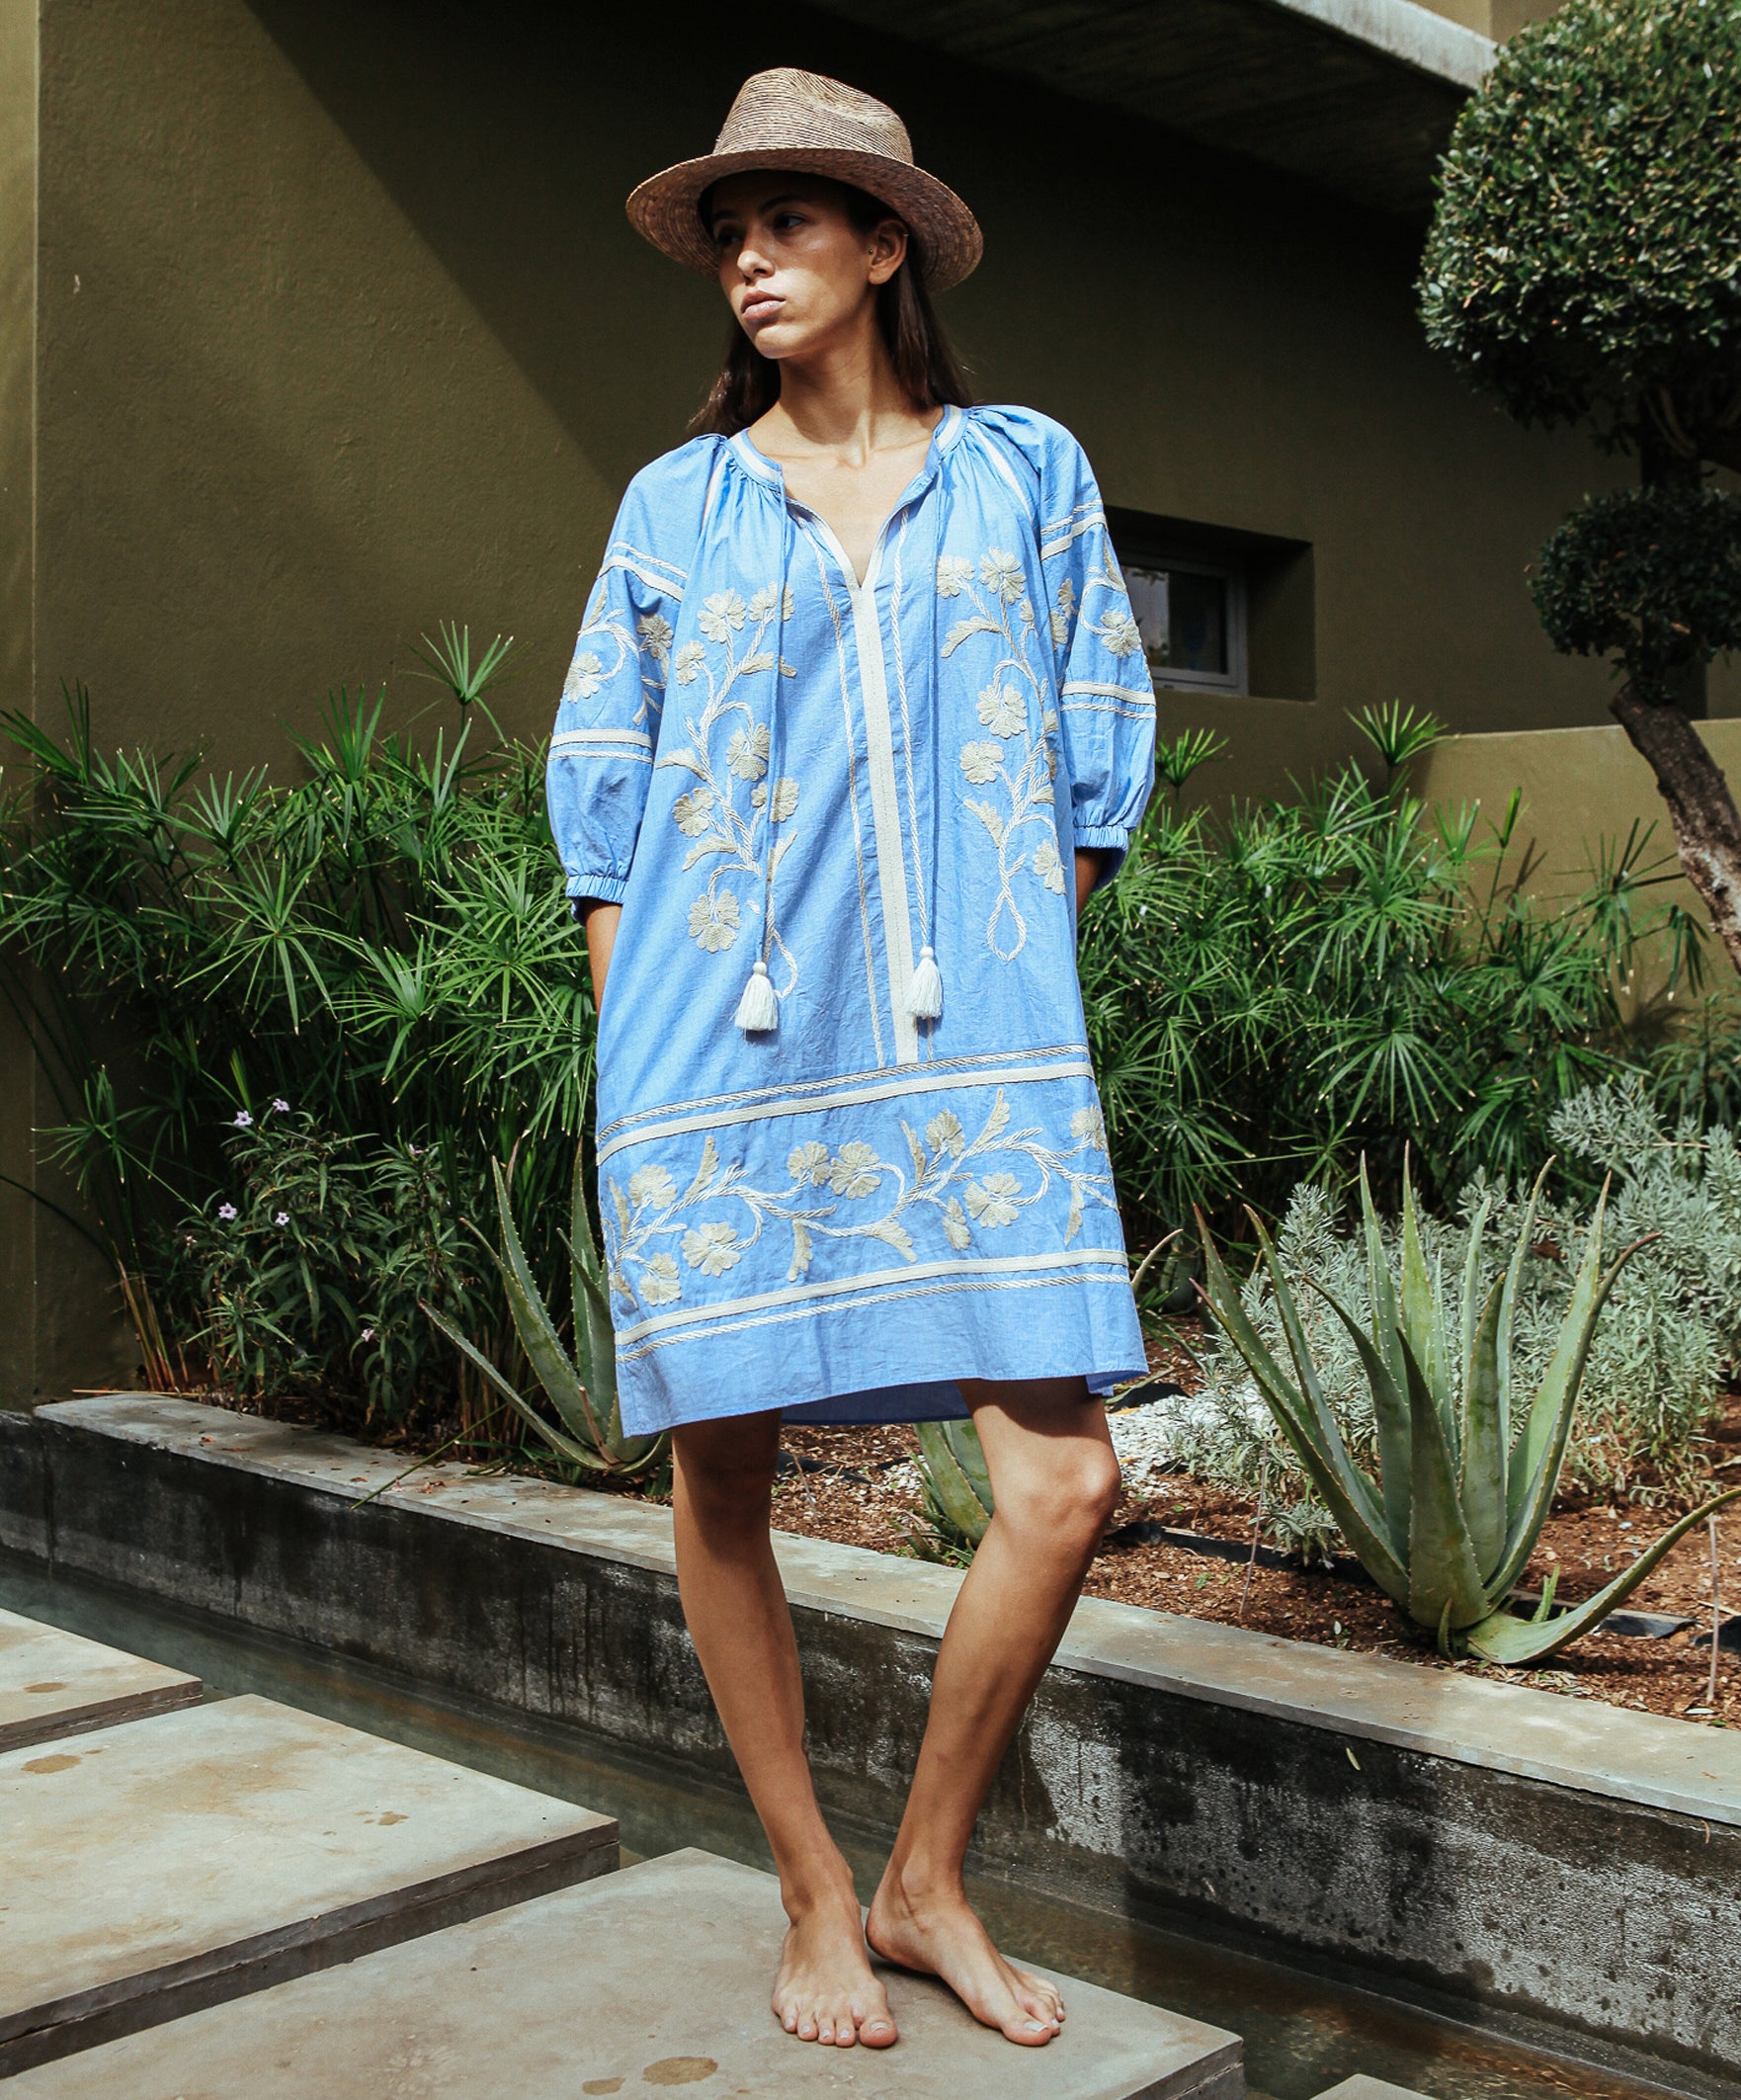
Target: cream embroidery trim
951, 1189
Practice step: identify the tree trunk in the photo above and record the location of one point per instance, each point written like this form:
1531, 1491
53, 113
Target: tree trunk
1707, 828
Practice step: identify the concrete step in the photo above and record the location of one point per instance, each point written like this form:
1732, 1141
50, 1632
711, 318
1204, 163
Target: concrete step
658, 1976
163, 1865
1361, 2087
54, 1684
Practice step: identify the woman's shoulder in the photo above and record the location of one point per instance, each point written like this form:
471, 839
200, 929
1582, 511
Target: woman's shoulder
677, 475
1050, 451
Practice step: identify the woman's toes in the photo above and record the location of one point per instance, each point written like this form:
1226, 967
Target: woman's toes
878, 2032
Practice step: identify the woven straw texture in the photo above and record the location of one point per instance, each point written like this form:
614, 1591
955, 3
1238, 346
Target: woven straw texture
787, 119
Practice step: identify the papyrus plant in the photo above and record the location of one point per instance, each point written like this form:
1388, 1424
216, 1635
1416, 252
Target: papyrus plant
1467, 1468
582, 1386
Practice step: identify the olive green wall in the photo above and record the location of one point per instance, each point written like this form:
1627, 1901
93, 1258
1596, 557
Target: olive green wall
18, 323
342, 329
339, 329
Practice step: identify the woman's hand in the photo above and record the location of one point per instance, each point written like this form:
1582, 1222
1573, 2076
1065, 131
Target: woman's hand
600, 921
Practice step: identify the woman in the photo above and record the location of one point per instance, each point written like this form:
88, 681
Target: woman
858, 719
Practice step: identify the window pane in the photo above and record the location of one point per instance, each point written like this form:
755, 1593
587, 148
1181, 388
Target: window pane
1149, 606
1196, 629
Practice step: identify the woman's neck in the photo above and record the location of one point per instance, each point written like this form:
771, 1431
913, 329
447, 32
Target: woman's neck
843, 399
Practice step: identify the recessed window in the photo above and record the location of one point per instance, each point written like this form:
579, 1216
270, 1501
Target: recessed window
1220, 610
1193, 623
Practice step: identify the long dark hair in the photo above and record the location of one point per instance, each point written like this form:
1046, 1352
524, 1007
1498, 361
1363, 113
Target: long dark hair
748, 384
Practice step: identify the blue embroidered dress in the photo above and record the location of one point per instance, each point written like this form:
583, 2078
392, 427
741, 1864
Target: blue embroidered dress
765, 763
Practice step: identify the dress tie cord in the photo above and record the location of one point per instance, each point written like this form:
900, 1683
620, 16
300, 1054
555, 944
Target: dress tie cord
758, 1011
925, 992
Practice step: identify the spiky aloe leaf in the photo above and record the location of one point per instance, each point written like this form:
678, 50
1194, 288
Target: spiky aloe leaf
1354, 1483
1422, 1328
1507, 1305
948, 1486
1387, 1402
1390, 1397
532, 1322
1443, 1575
1472, 1300
1507, 1639
963, 1440
565, 1446
595, 1339
1539, 1427
1294, 1421
1541, 1450
1481, 1484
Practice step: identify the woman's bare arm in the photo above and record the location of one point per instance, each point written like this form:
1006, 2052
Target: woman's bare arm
600, 921
1088, 864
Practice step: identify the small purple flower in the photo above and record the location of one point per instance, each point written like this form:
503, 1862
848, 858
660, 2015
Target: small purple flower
416, 1151
283, 1219
244, 1122
369, 1334
279, 1106
226, 1211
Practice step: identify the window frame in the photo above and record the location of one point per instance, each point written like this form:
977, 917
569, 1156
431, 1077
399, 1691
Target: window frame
1234, 681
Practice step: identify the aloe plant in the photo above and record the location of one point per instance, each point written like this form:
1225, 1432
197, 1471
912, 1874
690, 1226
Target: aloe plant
582, 1387
1467, 1475
956, 1487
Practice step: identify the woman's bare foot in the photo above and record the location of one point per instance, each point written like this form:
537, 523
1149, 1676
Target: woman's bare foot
825, 1990
933, 1930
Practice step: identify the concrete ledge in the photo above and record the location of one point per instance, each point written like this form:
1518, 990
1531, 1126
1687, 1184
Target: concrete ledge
1449, 1837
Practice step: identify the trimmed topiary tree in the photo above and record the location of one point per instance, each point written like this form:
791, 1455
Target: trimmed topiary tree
1584, 264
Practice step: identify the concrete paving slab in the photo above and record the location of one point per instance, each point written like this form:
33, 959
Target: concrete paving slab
163, 1865
54, 1684
658, 1976
1362, 2087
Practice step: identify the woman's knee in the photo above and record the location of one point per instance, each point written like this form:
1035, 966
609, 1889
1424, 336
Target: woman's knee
725, 1480
1067, 1493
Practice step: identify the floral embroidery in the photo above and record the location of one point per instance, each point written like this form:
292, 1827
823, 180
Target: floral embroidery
605, 634
1021, 763
948, 1183
733, 837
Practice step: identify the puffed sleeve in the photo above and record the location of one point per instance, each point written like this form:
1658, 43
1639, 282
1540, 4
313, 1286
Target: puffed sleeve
607, 720
1106, 700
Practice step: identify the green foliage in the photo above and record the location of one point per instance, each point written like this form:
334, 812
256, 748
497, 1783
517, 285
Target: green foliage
1669, 1336
308, 1271
383, 942
1585, 257
957, 1491
1649, 576
1271, 996
1467, 1466
1399, 733
580, 1386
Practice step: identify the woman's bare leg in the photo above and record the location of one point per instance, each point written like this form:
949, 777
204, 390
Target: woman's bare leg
1056, 1482
742, 1629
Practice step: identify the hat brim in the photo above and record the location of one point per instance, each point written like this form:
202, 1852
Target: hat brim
666, 208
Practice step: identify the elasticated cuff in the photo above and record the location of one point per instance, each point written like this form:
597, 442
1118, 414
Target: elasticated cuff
1113, 841
595, 889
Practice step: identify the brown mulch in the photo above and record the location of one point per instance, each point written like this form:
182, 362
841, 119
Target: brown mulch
867, 1496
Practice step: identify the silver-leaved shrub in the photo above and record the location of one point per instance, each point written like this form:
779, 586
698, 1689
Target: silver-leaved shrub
1670, 1335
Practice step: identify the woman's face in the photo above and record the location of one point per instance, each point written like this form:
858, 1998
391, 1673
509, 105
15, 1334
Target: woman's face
798, 272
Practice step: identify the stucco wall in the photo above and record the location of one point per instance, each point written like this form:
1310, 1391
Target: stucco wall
342, 329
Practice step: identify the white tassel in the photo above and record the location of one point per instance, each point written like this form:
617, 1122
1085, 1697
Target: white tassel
758, 1011
925, 996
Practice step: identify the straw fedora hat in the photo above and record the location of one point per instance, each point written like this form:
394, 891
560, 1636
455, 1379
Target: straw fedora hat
787, 119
